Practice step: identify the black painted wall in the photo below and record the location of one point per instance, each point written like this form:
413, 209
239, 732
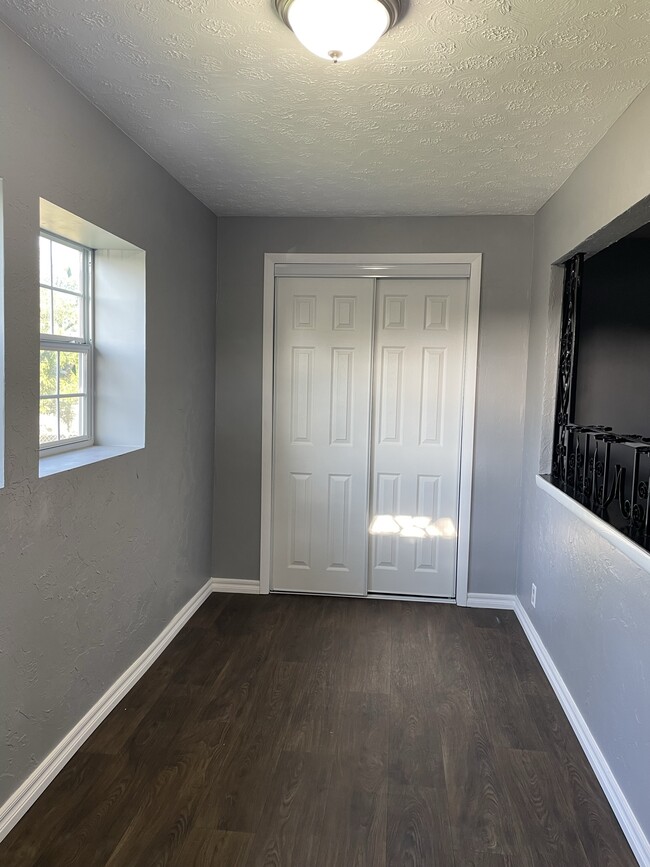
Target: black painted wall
613, 368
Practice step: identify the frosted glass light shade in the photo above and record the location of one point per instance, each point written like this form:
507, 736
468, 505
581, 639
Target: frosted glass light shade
338, 30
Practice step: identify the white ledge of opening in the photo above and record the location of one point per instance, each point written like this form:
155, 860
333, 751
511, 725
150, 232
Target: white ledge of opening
50, 465
615, 538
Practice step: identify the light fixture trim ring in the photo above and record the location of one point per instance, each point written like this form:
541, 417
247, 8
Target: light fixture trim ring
393, 7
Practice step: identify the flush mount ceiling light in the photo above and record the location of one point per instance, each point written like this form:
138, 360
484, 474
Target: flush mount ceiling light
339, 30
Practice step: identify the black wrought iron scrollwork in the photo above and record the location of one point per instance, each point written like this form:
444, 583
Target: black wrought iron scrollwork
566, 372
583, 465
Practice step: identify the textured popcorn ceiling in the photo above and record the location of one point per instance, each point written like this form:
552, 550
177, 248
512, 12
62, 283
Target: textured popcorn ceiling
466, 107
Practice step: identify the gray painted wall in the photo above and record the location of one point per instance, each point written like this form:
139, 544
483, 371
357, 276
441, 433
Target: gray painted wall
506, 243
593, 604
96, 561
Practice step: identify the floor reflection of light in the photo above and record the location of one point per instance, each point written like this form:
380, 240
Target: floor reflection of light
412, 527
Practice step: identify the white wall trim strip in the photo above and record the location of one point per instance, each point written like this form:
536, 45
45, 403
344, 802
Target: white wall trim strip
637, 554
622, 810
235, 585
17, 805
315, 269
490, 600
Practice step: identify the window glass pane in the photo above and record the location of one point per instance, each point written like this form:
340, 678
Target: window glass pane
68, 315
64, 370
71, 417
66, 267
71, 376
48, 371
48, 430
46, 311
46, 265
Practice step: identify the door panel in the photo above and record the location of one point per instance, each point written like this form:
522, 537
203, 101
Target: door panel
322, 434
418, 383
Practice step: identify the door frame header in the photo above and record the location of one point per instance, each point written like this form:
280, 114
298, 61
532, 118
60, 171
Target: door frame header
432, 265
354, 268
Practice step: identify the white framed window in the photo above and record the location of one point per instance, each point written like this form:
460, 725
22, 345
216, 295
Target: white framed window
66, 345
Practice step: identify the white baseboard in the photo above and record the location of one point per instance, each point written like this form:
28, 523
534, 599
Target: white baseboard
22, 799
18, 804
629, 823
235, 585
631, 828
490, 600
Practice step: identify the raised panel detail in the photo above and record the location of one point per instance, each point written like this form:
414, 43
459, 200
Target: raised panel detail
300, 522
436, 313
302, 377
338, 522
426, 550
387, 497
390, 403
341, 397
304, 312
395, 311
344, 313
433, 377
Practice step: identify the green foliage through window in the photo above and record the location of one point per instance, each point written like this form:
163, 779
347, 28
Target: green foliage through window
65, 342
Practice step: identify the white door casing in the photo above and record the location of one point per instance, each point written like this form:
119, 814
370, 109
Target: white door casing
418, 388
321, 434
456, 265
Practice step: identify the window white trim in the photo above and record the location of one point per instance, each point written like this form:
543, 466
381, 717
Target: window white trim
83, 345
394, 264
118, 328
65, 224
73, 456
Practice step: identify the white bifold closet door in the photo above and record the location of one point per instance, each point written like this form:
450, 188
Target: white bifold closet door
367, 431
323, 340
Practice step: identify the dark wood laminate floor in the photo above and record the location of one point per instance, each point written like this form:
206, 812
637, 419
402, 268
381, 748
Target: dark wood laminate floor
313, 732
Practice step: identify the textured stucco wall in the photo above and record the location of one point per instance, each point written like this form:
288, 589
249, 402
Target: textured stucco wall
506, 243
96, 561
593, 603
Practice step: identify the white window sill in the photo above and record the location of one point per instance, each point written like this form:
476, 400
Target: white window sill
615, 538
49, 465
